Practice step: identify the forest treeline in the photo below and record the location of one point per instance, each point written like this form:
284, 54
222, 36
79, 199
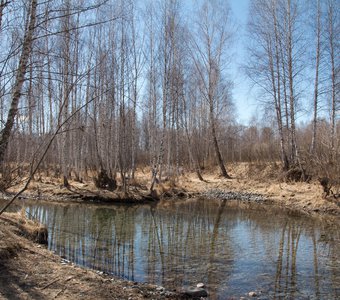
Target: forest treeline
104, 86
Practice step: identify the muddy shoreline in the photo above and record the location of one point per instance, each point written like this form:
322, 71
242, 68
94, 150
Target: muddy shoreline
262, 185
289, 199
29, 271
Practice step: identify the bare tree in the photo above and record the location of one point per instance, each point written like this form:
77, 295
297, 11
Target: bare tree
19, 79
193, 152
316, 80
167, 62
209, 45
276, 50
333, 30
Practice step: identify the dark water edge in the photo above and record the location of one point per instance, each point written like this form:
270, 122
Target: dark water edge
233, 247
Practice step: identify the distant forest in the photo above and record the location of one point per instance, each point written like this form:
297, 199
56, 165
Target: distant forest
112, 85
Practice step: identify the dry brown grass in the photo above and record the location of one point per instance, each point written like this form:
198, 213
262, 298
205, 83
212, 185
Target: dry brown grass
21, 225
266, 179
259, 178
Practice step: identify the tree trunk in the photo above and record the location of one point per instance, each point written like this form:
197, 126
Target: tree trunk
316, 83
194, 160
191, 155
19, 81
216, 146
291, 87
3, 4
332, 38
276, 83
66, 93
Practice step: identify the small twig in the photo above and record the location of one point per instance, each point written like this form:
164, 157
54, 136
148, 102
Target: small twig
62, 290
49, 284
69, 278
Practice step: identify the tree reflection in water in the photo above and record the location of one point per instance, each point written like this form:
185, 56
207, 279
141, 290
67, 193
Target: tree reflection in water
232, 247
286, 279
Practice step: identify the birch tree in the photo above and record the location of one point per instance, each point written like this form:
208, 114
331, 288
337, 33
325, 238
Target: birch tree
332, 41
19, 78
316, 78
275, 55
210, 43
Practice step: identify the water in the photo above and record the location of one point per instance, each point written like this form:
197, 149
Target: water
233, 248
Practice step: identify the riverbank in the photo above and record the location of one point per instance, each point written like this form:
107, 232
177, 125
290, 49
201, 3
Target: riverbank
263, 183
29, 271
249, 183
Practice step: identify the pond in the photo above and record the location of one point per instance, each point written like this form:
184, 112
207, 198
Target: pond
232, 247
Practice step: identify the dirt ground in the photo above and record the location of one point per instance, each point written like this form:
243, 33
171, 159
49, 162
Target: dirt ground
29, 271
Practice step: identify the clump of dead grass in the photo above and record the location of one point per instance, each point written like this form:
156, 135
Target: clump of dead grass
30, 229
256, 170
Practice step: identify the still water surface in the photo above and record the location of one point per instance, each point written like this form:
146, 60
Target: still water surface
233, 248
